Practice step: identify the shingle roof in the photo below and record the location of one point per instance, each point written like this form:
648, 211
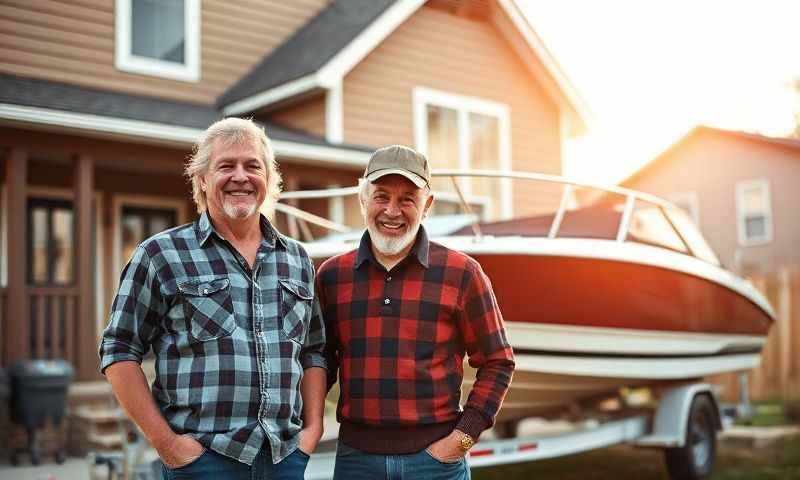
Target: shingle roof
31, 92
310, 48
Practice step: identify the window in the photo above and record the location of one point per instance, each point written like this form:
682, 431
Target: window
689, 203
159, 37
139, 224
459, 132
753, 212
50, 242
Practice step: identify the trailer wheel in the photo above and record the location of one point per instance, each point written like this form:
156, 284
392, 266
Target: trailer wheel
696, 458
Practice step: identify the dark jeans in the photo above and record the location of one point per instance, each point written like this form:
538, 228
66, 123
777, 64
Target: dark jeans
352, 464
213, 466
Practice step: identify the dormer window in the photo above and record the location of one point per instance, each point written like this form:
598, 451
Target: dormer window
159, 38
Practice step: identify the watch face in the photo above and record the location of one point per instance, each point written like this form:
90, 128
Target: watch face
467, 442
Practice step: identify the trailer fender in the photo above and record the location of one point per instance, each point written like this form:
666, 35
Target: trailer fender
672, 416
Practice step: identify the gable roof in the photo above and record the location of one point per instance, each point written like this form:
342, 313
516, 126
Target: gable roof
322, 52
704, 129
60, 105
308, 50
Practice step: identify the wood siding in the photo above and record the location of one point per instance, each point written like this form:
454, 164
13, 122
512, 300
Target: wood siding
73, 41
459, 55
308, 115
711, 163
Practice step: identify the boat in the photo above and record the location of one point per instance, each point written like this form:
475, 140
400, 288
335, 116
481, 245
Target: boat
610, 289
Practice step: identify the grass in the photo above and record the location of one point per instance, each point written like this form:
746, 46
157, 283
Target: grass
780, 461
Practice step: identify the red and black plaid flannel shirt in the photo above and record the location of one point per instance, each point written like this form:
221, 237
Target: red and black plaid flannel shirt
398, 340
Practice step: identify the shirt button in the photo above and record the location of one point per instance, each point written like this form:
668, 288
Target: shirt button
387, 301
389, 278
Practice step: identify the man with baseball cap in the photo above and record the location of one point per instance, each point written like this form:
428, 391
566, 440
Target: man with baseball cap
401, 313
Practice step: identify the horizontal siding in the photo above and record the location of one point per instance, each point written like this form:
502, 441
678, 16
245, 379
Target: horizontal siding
73, 42
308, 115
464, 56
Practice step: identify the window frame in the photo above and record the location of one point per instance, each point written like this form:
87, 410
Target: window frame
741, 214
126, 61
464, 106
119, 202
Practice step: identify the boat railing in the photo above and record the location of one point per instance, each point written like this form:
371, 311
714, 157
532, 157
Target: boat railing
639, 216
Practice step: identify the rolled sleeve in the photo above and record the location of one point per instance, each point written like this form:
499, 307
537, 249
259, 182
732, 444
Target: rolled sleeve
135, 314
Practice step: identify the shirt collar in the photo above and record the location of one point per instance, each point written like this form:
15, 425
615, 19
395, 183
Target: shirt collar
420, 250
205, 228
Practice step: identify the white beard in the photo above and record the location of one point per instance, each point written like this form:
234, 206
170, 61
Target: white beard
237, 212
391, 246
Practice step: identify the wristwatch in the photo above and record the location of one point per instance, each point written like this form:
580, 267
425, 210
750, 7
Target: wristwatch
466, 441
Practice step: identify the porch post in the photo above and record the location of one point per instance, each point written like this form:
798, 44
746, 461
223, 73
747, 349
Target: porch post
86, 335
16, 340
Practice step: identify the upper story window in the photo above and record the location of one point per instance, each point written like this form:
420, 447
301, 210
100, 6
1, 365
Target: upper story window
461, 132
159, 38
753, 212
689, 203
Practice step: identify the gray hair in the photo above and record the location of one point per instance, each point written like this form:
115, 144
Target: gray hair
231, 131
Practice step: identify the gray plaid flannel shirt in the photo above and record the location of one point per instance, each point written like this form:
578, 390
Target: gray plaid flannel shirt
231, 344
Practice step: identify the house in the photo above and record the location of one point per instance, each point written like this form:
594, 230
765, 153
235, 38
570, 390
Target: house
740, 188
100, 102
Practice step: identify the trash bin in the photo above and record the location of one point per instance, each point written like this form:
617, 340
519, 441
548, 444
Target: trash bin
38, 393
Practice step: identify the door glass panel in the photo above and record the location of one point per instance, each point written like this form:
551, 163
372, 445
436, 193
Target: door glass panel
61, 248
139, 224
39, 236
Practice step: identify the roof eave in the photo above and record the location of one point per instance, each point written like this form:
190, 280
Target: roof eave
165, 134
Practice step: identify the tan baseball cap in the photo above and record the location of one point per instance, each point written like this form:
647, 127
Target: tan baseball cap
399, 160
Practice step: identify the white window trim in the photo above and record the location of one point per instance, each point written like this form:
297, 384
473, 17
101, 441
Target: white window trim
141, 201
464, 105
740, 213
62, 194
128, 62
690, 198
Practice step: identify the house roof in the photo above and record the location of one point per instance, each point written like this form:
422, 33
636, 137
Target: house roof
74, 107
310, 48
704, 129
322, 52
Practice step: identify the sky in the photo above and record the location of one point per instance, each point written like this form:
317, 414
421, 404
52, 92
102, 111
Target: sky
650, 70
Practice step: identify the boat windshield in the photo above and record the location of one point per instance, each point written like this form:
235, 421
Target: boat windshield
690, 233
535, 205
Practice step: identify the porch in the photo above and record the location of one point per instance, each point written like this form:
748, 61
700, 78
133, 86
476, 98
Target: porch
72, 209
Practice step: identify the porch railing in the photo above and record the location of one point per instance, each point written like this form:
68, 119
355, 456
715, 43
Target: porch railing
53, 329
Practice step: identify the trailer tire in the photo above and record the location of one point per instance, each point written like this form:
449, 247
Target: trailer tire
695, 460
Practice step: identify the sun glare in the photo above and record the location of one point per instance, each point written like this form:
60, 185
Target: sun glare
652, 70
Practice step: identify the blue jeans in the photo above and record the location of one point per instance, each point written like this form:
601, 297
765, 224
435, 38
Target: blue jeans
352, 464
214, 466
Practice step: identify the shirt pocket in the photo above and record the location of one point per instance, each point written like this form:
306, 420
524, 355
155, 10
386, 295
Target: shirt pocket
208, 308
296, 301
